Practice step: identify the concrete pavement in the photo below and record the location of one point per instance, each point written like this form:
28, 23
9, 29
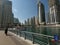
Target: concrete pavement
5, 40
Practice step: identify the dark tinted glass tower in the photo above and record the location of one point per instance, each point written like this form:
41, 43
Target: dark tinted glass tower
41, 13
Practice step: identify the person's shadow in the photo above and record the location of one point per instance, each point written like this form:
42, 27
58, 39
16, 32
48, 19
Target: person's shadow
9, 34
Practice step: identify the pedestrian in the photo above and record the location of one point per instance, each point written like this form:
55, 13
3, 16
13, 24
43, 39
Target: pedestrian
6, 30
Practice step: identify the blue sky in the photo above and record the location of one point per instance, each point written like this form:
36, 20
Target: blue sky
24, 9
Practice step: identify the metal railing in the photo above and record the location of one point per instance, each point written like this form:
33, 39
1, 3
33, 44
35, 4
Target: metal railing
35, 37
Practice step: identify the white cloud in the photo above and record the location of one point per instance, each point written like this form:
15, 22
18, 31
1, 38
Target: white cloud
15, 10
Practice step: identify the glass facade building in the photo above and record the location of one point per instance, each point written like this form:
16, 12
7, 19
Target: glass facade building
41, 13
5, 13
54, 7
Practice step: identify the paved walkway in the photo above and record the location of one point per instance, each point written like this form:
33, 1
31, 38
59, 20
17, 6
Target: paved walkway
5, 40
12, 40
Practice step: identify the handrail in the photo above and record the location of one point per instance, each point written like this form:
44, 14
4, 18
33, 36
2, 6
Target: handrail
35, 33
36, 37
38, 34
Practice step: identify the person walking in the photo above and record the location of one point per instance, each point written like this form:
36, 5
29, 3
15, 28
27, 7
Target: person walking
6, 30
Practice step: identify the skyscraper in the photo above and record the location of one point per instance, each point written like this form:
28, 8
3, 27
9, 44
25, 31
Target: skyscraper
0, 12
25, 22
41, 13
16, 20
5, 13
8, 17
54, 7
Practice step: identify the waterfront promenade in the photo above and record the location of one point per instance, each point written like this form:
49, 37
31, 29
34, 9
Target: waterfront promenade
11, 39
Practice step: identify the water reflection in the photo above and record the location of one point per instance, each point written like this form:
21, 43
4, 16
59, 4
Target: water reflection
44, 30
51, 31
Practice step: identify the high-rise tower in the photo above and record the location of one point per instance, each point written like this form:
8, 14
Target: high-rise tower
6, 16
54, 8
41, 13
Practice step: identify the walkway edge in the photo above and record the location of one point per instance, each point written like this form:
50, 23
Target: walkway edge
22, 38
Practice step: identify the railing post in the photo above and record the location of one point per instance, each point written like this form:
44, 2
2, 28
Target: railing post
33, 38
17, 32
20, 33
25, 35
48, 40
